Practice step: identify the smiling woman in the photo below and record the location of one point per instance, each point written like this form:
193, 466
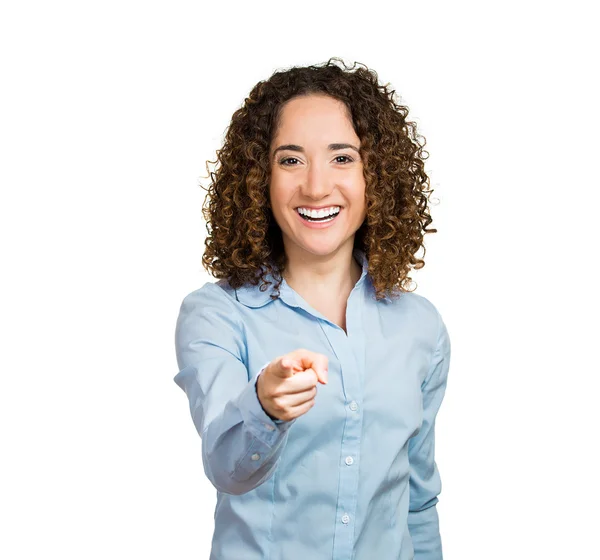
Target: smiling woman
320, 182
309, 134
320, 193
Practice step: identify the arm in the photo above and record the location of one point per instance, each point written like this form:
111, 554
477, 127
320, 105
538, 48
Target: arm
240, 442
425, 482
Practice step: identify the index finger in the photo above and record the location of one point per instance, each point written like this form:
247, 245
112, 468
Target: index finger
318, 362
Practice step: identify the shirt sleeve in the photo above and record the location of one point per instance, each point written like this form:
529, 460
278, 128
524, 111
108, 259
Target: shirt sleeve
425, 482
241, 444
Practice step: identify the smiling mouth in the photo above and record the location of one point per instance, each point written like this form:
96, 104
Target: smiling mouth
324, 219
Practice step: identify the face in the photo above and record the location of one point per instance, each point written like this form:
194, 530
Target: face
315, 165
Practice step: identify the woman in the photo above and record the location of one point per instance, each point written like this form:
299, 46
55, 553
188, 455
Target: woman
316, 400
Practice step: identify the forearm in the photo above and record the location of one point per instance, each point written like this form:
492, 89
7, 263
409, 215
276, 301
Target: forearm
241, 447
425, 533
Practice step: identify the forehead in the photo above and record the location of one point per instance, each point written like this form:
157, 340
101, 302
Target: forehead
315, 111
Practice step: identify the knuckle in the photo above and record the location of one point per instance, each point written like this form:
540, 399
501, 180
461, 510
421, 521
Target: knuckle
284, 414
277, 404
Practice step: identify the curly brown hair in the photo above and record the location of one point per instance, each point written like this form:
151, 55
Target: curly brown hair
244, 242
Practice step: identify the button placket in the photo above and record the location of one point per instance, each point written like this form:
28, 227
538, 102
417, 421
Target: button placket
349, 350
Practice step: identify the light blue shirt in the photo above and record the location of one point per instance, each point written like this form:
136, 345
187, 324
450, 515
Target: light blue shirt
354, 478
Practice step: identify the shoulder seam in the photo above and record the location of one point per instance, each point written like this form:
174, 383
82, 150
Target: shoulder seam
229, 300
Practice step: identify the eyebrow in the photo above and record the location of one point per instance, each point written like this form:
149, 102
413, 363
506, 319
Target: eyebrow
331, 147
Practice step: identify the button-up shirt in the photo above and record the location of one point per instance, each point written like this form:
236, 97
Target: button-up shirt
354, 478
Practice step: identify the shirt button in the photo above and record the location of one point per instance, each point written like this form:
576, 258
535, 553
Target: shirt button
349, 460
269, 427
255, 457
345, 518
353, 405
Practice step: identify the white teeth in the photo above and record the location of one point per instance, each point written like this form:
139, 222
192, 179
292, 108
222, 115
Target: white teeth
322, 213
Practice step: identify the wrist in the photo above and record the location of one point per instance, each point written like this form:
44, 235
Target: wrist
260, 402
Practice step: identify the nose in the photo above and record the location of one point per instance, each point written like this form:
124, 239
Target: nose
316, 183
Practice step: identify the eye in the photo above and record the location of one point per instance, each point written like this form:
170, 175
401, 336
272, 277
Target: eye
284, 160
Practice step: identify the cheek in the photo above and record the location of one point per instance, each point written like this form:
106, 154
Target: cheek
280, 193
356, 192
279, 200
275, 199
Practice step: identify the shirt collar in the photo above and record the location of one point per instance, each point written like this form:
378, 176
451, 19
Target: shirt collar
251, 296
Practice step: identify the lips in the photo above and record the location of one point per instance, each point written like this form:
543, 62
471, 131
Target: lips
320, 207
333, 211
319, 224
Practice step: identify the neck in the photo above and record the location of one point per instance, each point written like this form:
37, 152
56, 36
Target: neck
336, 273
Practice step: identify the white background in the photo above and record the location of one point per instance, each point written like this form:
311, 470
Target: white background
109, 112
